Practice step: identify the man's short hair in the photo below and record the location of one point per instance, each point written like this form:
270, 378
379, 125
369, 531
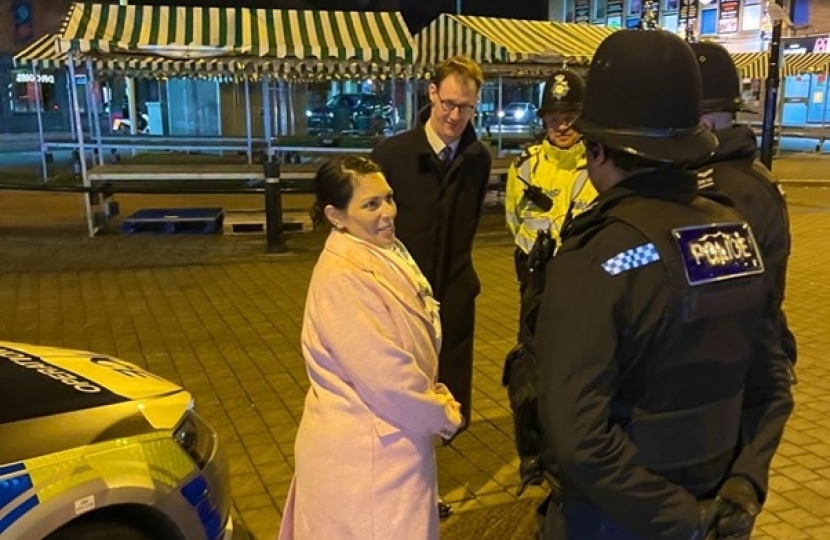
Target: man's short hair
461, 66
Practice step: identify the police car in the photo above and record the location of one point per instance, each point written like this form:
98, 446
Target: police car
95, 448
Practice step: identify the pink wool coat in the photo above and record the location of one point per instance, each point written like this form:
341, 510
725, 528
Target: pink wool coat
364, 453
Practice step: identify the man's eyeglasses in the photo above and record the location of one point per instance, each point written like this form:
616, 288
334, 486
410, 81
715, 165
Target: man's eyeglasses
449, 106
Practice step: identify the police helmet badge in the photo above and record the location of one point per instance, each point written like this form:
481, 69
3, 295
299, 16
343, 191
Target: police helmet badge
560, 87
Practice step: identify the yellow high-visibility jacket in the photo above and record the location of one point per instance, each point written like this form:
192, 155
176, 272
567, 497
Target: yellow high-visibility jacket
561, 174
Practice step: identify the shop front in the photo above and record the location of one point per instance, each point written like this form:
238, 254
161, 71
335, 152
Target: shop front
805, 94
24, 92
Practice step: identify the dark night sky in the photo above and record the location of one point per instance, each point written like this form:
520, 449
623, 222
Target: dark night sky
417, 13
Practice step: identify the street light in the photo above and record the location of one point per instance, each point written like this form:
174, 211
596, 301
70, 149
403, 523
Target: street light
775, 10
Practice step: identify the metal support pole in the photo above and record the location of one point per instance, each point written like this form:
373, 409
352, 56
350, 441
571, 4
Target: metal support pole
408, 100
500, 111
290, 87
95, 128
89, 117
771, 99
273, 208
73, 88
38, 106
267, 110
823, 136
392, 82
248, 120
71, 112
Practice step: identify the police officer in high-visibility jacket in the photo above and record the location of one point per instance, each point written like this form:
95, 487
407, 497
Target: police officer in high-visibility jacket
550, 177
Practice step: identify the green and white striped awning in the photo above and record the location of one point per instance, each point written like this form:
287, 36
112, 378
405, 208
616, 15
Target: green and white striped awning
796, 64
44, 52
753, 65
205, 32
490, 40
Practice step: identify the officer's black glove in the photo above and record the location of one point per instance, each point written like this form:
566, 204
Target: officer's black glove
707, 530
738, 505
530, 472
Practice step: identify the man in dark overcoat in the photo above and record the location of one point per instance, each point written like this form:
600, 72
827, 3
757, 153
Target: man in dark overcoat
439, 172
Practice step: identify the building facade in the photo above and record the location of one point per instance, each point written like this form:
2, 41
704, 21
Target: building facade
21, 23
741, 25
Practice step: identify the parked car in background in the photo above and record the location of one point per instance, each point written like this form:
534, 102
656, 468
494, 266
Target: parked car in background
357, 112
96, 448
517, 113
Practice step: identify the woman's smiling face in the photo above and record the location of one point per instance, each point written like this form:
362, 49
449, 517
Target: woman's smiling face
370, 215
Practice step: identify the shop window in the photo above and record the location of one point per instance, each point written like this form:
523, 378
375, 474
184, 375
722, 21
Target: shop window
752, 15
671, 5
800, 12
570, 10
708, 22
24, 88
670, 22
634, 7
599, 11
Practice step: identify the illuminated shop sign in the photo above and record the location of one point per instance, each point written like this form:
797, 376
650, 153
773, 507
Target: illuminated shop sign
807, 44
30, 78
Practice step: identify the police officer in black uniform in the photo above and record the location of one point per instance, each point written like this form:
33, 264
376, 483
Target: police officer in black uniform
735, 170
660, 395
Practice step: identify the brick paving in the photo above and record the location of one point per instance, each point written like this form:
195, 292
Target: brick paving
222, 318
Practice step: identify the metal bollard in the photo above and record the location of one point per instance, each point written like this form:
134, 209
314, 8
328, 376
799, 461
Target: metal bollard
76, 162
49, 159
273, 208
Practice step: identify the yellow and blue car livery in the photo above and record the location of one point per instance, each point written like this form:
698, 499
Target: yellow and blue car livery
94, 447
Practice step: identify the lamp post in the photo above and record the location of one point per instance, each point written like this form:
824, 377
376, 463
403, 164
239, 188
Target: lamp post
772, 85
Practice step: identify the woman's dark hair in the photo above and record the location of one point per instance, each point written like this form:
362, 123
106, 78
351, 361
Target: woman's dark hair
334, 182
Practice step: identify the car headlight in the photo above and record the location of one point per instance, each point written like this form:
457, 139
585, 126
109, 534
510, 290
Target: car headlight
196, 438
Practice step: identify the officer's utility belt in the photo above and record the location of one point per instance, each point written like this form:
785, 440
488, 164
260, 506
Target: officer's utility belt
672, 440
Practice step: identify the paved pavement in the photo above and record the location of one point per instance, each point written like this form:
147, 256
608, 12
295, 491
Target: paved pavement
221, 317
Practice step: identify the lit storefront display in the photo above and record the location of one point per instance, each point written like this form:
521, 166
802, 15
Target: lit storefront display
738, 24
805, 95
27, 92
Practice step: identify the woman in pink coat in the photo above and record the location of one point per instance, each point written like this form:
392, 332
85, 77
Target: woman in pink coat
365, 457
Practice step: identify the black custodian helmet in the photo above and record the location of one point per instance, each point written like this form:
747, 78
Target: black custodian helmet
643, 97
719, 78
564, 91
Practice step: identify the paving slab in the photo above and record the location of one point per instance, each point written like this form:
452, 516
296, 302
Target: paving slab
222, 317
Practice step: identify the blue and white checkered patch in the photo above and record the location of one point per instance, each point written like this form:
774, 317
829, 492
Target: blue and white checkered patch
631, 259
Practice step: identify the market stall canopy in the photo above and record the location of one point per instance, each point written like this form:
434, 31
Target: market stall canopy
489, 40
256, 35
796, 64
753, 65
43, 52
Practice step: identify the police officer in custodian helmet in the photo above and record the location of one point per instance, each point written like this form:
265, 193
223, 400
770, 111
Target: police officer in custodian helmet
548, 178
547, 182
654, 375
735, 170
